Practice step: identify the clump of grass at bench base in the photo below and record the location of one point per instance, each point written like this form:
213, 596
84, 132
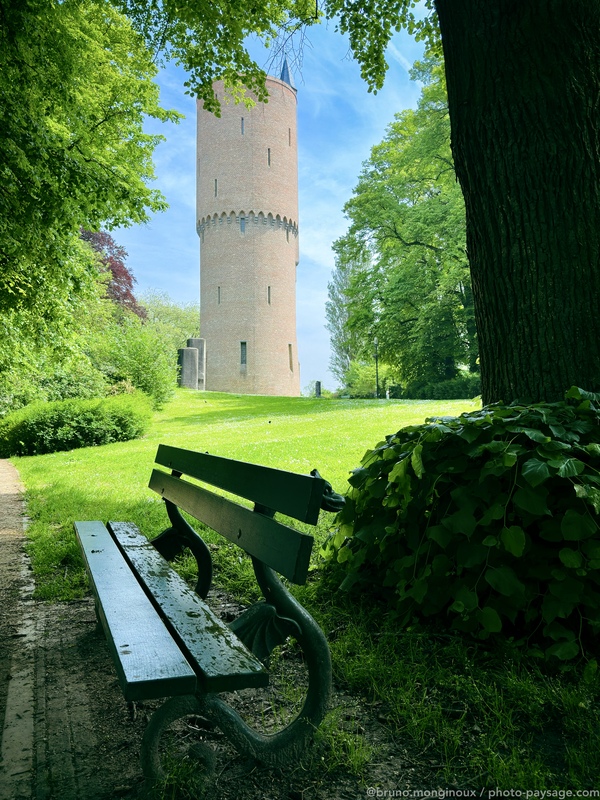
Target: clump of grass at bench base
476, 713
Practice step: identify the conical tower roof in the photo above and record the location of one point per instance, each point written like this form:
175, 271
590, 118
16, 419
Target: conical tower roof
286, 75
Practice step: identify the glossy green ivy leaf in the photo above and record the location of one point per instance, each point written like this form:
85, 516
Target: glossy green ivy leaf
344, 554
571, 558
569, 591
532, 500
571, 467
462, 521
576, 526
494, 512
398, 471
532, 433
505, 581
557, 631
513, 539
467, 598
416, 462
440, 535
490, 619
564, 651
535, 471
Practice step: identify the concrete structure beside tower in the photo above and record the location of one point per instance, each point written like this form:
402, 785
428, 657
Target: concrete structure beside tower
247, 212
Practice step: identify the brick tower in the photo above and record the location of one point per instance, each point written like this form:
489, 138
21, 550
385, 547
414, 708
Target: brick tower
247, 212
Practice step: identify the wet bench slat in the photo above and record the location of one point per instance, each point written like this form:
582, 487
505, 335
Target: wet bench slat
220, 660
149, 664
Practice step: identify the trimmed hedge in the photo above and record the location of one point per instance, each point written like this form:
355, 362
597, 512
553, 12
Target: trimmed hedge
488, 522
68, 424
462, 387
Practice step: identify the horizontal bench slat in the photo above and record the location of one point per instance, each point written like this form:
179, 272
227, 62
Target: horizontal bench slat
298, 496
149, 664
224, 663
282, 548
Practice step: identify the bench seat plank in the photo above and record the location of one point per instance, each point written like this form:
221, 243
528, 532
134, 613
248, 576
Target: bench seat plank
282, 548
149, 664
290, 493
223, 662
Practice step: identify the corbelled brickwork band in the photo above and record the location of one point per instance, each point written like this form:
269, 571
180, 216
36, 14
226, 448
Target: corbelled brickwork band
247, 221
251, 218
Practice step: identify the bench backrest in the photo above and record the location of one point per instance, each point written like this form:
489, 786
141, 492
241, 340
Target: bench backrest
271, 490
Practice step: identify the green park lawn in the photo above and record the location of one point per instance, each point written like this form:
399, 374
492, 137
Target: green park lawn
488, 715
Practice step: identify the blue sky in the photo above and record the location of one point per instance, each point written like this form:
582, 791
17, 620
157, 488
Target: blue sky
338, 123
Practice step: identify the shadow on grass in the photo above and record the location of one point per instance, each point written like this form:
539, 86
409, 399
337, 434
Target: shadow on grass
253, 407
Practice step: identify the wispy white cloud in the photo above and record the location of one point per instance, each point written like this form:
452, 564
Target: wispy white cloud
399, 57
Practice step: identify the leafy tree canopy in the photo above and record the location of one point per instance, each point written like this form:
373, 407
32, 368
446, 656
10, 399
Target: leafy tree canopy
77, 82
401, 269
370, 26
112, 258
210, 39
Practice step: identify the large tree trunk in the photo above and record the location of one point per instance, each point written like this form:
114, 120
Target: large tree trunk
524, 95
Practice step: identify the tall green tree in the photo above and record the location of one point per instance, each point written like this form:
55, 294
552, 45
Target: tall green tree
77, 83
346, 343
177, 322
404, 257
522, 83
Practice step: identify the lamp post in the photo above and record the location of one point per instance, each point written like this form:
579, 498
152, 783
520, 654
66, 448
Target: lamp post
376, 342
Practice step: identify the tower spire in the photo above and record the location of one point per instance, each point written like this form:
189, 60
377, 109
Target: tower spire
286, 75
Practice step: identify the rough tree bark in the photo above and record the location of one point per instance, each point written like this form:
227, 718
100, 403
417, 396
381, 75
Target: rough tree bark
524, 95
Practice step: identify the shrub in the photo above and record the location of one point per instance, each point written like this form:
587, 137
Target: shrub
74, 378
40, 380
487, 521
459, 388
361, 379
68, 424
136, 352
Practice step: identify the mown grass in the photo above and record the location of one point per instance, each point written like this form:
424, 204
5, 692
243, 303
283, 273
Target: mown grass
110, 482
484, 716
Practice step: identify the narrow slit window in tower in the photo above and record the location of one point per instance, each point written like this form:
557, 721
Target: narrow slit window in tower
269, 295
216, 186
242, 126
287, 234
290, 354
269, 156
218, 295
243, 354
242, 224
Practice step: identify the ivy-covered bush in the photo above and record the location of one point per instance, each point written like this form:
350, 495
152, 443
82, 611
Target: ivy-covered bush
68, 424
488, 522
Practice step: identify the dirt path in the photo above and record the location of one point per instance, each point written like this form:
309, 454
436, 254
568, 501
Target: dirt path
15, 681
66, 732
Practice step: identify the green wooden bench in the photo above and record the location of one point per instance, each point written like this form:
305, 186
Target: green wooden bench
165, 640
